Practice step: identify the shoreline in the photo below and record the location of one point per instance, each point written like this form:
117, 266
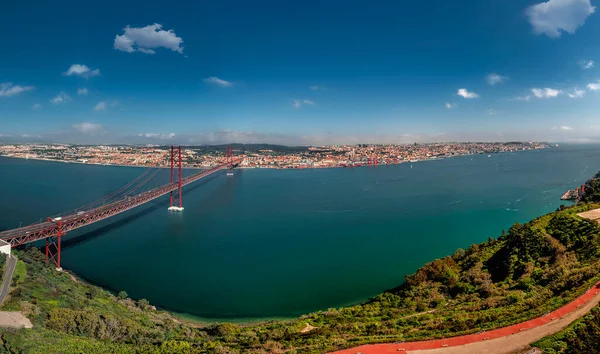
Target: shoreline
278, 167
199, 319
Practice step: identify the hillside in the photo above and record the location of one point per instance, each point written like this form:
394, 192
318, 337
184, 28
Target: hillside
528, 271
581, 337
2, 262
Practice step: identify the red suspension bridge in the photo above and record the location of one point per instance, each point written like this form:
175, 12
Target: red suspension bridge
117, 202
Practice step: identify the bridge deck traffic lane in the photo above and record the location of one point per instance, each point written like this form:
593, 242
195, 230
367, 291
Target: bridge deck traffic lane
562, 316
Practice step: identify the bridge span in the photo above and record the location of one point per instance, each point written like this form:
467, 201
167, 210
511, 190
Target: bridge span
54, 228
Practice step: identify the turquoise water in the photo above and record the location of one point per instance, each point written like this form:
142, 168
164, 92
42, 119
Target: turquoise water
280, 243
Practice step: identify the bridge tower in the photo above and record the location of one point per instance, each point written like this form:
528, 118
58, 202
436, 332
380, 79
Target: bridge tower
53, 244
229, 161
176, 196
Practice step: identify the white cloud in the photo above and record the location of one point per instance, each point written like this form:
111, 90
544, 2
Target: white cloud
318, 88
100, 106
36, 106
26, 135
594, 86
145, 39
553, 16
563, 127
491, 112
62, 97
82, 91
7, 89
450, 105
146, 51
89, 128
577, 93
219, 82
81, 70
522, 98
586, 64
157, 136
466, 94
545, 92
103, 105
299, 103
494, 79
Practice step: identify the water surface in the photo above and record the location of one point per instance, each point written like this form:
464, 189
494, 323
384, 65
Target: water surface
280, 243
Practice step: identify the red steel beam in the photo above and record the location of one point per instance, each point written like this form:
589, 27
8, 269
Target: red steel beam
72, 222
180, 180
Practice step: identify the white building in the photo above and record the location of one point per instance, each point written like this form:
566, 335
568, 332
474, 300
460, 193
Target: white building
4, 247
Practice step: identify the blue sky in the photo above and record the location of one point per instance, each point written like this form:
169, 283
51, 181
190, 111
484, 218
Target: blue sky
294, 72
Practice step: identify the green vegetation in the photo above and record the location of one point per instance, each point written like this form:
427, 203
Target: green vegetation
531, 269
276, 150
592, 189
581, 337
20, 273
2, 263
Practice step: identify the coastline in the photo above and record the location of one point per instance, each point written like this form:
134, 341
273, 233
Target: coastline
211, 320
435, 158
326, 319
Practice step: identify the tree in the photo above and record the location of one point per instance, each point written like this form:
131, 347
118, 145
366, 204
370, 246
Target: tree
143, 304
122, 295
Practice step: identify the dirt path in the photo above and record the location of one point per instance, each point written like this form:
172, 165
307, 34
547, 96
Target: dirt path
308, 328
505, 340
418, 314
10, 319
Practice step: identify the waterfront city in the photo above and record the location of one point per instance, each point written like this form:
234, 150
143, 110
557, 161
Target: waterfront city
260, 156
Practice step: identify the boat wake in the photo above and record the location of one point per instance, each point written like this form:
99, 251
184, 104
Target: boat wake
340, 211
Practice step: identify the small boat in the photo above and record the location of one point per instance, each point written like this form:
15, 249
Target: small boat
489, 155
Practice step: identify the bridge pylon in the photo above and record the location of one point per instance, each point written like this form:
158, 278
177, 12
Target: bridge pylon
229, 161
176, 196
53, 244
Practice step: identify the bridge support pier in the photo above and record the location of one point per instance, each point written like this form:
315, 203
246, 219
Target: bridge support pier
53, 247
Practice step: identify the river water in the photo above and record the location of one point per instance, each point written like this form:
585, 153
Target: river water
281, 243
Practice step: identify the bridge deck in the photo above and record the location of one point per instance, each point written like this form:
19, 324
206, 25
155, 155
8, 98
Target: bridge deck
43, 230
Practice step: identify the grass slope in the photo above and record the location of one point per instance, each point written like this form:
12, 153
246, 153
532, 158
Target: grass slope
532, 269
2, 263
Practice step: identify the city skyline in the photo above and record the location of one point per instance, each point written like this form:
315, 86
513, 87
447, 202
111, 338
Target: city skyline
300, 74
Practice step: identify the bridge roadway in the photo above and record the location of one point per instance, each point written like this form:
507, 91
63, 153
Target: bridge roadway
80, 219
